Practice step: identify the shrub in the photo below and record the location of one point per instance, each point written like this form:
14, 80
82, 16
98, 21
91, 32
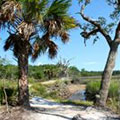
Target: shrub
38, 89
11, 96
11, 91
92, 89
114, 90
114, 96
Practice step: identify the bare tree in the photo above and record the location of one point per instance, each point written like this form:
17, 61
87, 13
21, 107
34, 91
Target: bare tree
91, 28
63, 64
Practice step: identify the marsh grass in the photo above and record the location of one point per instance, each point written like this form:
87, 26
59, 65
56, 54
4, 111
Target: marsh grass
37, 89
113, 96
11, 91
76, 102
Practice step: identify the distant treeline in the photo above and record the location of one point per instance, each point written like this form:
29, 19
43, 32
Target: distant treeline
41, 72
48, 71
96, 73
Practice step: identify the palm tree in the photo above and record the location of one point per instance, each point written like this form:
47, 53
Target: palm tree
8, 12
38, 16
56, 23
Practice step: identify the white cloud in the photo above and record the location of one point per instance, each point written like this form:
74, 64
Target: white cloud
39, 63
90, 63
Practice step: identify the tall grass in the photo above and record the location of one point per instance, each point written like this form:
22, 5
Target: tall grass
11, 91
37, 89
113, 96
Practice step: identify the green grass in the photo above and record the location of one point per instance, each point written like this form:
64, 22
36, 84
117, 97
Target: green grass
11, 91
92, 89
113, 96
76, 102
37, 89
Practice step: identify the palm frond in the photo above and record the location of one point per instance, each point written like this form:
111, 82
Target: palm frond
58, 8
64, 36
52, 49
26, 29
8, 11
10, 42
34, 9
39, 47
56, 23
69, 22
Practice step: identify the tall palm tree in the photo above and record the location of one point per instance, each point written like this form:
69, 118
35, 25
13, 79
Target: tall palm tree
39, 16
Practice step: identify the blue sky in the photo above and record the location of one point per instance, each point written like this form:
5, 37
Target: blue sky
91, 57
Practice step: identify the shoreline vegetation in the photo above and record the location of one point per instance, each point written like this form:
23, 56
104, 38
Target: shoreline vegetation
53, 83
61, 90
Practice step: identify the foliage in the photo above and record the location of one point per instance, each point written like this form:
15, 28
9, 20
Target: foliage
76, 102
113, 96
93, 88
39, 16
11, 91
90, 73
38, 90
46, 72
40, 73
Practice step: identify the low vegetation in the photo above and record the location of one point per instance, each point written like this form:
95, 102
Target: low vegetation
10, 88
58, 90
76, 102
49, 71
113, 100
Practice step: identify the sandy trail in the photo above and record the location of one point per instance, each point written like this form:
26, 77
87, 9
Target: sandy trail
49, 110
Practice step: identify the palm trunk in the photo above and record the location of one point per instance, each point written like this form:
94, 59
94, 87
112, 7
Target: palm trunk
23, 95
107, 74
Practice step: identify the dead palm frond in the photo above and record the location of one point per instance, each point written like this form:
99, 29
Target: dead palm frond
16, 42
8, 11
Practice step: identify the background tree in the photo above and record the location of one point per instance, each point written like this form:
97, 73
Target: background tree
24, 39
92, 28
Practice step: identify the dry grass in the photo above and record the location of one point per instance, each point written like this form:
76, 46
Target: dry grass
15, 113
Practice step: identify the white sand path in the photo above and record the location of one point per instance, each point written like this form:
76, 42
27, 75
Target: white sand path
49, 110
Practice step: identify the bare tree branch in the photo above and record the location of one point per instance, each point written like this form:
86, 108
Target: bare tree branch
96, 24
88, 34
117, 32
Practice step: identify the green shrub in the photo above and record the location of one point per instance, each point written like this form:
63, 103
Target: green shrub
11, 96
52, 95
11, 91
114, 90
38, 89
114, 96
76, 102
1, 96
92, 89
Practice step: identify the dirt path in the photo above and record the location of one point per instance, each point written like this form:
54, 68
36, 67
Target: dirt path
49, 110
48, 82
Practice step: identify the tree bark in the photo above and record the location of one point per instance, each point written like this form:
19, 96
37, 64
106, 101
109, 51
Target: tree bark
23, 95
107, 74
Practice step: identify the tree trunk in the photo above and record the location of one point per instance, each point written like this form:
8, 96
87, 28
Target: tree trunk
23, 95
107, 74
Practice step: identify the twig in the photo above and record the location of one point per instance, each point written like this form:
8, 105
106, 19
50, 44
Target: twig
6, 98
